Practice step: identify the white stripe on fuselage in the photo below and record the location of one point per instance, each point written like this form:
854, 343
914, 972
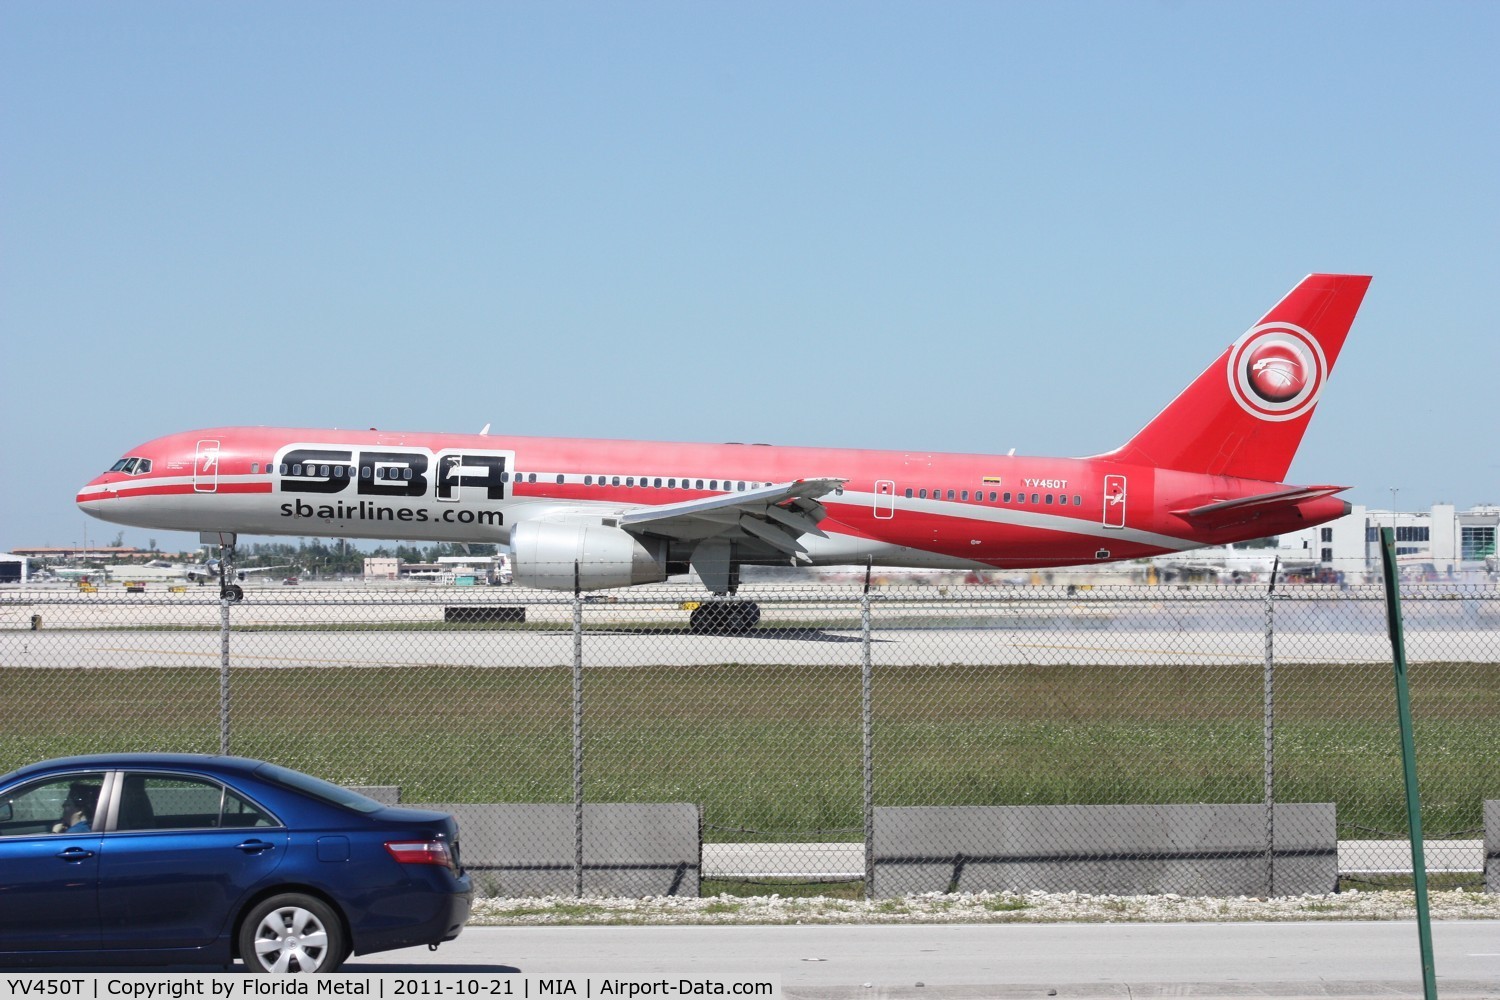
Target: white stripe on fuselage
261, 514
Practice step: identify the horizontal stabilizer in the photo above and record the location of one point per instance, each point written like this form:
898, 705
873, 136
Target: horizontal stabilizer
1225, 512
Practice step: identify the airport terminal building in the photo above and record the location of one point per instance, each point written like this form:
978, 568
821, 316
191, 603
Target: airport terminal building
1442, 543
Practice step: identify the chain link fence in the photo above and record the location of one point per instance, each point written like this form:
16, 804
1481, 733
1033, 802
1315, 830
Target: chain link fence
793, 742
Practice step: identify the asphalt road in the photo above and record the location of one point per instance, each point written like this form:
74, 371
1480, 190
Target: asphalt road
962, 962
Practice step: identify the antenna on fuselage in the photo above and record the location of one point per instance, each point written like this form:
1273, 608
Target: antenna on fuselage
484, 430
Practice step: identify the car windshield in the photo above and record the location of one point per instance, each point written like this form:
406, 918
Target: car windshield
325, 791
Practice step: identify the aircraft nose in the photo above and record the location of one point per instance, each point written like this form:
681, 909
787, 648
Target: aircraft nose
93, 491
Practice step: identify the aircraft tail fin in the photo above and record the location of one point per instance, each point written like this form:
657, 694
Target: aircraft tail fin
1245, 415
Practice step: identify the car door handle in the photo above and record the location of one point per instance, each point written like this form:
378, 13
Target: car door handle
254, 846
74, 854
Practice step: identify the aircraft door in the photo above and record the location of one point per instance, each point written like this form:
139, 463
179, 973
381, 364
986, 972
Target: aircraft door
885, 499
206, 467
1114, 501
447, 472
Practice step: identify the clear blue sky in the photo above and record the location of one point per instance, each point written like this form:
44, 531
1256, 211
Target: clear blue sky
948, 226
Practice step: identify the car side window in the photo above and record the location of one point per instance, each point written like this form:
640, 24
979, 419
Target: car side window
51, 805
176, 802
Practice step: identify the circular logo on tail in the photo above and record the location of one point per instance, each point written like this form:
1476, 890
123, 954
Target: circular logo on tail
1276, 371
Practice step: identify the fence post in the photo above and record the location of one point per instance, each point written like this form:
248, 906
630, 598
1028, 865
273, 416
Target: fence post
577, 734
1408, 758
224, 673
1270, 731
867, 723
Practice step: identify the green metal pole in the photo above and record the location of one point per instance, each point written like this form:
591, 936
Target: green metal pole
1408, 758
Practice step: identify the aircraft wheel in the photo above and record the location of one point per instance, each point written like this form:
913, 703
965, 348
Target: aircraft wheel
724, 618
747, 616
233, 592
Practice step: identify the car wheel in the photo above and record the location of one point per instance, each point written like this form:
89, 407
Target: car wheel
292, 933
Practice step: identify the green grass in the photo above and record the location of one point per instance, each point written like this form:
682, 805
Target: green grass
773, 752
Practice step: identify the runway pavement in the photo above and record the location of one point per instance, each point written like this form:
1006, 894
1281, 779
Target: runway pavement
964, 962
279, 627
162, 646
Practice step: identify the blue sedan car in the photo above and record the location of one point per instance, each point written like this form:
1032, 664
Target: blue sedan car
168, 859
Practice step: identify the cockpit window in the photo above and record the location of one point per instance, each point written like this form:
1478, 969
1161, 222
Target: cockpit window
132, 466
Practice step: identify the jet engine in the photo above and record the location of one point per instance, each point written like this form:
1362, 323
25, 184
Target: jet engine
543, 554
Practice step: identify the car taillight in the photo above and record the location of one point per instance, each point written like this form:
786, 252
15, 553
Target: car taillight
420, 852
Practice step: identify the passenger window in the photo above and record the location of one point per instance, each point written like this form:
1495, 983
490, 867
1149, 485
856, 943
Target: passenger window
241, 813
1049, 498
52, 805
1020, 498
615, 481
965, 495
1062, 498
656, 483
671, 484
630, 481
1034, 498
950, 494
1077, 500
560, 478
1005, 498
169, 802
908, 493
700, 484
992, 496
742, 487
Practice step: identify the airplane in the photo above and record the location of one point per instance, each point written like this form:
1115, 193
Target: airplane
588, 514
73, 573
1231, 563
162, 569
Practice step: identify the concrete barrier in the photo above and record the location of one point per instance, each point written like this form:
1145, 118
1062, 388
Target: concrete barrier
1492, 845
629, 849
1190, 850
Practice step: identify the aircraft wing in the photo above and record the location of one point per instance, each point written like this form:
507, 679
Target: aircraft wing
1225, 512
777, 515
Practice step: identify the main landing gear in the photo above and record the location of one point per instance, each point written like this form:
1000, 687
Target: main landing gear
721, 617
225, 540
723, 614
